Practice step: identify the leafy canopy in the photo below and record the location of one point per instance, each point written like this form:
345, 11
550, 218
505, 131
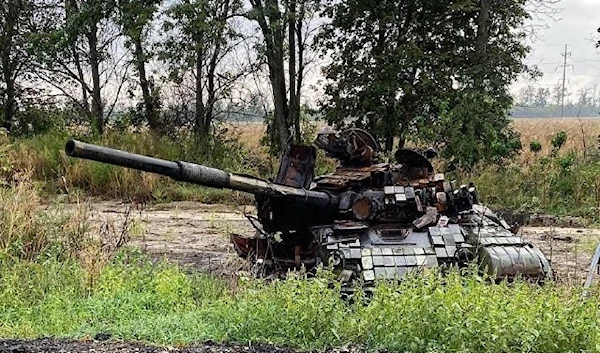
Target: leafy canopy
427, 72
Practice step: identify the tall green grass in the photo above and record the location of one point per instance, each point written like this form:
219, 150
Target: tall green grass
43, 155
566, 184
137, 300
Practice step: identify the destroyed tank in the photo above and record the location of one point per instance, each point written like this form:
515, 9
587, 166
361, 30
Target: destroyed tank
367, 220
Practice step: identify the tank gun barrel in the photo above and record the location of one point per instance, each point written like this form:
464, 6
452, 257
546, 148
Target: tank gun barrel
199, 174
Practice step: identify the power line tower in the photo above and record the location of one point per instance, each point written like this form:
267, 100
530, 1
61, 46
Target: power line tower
564, 80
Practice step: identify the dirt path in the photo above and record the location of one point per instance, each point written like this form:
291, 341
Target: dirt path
192, 233
67, 346
197, 234
569, 249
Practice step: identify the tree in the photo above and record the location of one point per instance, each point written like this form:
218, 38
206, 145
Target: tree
200, 38
77, 52
542, 97
286, 37
527, 96
10, 12
18, 22
135, 17
430, 72
379, 50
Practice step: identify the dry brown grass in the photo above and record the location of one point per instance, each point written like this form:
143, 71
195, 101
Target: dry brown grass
249, 134
582, 133
31, 230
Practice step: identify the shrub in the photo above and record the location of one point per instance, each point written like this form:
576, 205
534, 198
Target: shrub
558, 140
535, 146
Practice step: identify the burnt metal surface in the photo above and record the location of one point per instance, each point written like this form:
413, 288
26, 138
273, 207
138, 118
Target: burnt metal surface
297, 167
367, 220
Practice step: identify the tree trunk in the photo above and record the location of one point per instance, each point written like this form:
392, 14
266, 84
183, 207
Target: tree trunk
199, 125
300, 72
97, 109
281, 106
294, 112
483, 23
271, 25
84, 87
70, 7
211, 90
10, 102
390, 128
149, 100
277, 75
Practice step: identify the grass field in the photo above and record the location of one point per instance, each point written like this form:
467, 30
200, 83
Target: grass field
582, 133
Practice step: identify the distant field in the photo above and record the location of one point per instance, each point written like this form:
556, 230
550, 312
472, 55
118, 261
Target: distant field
581, 132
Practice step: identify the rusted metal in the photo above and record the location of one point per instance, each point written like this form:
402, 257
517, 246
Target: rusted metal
369, 220
201, 175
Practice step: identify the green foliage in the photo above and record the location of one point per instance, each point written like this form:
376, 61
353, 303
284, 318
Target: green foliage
138, 300
535, 146
427, 72
135, 17
567, 184
34, 120
20, 20
474, 129
44, 156
558, 141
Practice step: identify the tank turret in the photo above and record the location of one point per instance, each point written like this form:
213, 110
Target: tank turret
367, 219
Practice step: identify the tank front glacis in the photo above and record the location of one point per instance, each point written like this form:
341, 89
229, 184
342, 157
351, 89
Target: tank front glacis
390, 219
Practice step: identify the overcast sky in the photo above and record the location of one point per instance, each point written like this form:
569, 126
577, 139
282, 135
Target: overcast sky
575, 25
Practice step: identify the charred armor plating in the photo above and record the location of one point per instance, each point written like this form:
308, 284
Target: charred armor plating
368, 220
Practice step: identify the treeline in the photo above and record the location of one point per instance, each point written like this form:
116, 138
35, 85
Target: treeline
541, 102
432, 73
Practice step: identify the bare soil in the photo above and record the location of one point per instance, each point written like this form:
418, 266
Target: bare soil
570, 250
67, 346
197, 235
194, 234
51, 345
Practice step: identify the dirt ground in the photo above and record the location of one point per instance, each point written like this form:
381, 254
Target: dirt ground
94, 346
197, 235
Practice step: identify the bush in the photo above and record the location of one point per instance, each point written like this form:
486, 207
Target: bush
34, 120
566, 184
535, 146
558, 141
